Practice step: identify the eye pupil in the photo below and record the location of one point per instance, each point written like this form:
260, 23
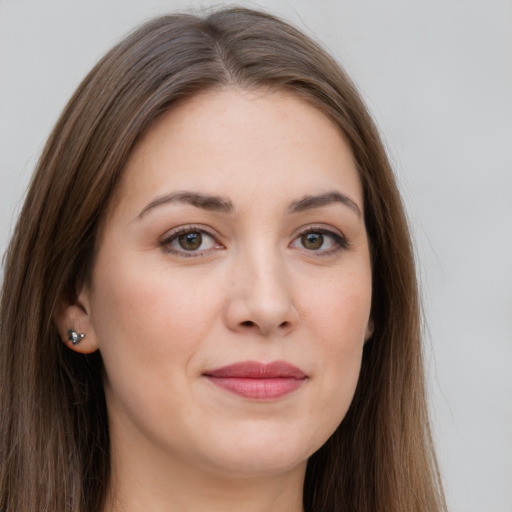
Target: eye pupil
312, 241
190, 241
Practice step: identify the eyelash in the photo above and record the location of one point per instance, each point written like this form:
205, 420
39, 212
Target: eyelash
174, 235
339, 241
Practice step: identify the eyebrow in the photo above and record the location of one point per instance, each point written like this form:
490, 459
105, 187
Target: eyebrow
224, 205
310, 202
204, 201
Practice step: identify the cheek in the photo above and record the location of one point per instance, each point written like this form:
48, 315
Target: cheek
151, 323
350, 310
149, 319
339, 310
338, 318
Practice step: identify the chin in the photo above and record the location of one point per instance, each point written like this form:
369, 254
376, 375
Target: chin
250, 464
265, 451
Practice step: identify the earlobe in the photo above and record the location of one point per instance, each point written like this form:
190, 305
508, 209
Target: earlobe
74, 324
369, 330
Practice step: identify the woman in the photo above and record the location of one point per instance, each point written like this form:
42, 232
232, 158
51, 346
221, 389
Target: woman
209, 300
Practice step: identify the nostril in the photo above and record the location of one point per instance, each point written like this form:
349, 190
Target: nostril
250, 323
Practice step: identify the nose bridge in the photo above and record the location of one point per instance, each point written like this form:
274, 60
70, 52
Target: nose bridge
263, 298
268, 283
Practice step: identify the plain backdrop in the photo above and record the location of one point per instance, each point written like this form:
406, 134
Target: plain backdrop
437, 77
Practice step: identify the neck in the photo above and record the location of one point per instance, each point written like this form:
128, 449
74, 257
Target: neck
141, 482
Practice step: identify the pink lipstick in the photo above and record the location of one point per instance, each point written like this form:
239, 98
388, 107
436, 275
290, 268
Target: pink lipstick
258, 381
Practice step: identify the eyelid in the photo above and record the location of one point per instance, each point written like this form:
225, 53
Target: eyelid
339, 238
173, 234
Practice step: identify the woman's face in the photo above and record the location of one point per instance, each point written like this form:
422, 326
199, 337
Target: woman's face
230, 295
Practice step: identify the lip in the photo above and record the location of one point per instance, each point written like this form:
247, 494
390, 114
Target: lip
259, 381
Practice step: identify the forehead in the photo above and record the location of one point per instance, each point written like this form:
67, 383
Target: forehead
241, 143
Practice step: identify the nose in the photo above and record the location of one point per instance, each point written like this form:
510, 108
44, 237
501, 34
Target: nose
260, 298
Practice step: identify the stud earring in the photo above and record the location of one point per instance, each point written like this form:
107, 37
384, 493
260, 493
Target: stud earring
75, 337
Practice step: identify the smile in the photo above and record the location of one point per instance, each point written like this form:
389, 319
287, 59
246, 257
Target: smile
258, 381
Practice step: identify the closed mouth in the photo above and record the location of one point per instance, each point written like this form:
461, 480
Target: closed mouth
260, 381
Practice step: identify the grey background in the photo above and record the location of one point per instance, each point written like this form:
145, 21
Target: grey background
437, 76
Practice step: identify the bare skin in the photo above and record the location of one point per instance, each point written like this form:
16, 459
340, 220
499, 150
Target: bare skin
236, 237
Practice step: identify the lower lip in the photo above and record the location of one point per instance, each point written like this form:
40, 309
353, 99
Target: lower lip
258, 389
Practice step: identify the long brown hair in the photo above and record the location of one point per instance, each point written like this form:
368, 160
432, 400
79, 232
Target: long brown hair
54, 442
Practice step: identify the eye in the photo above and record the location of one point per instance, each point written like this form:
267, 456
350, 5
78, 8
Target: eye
320, 240
189, 241
312, 241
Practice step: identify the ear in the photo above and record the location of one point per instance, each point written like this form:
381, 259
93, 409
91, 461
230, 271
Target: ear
74, 316
369, 330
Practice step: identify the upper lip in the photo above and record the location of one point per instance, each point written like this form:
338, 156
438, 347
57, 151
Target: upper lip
257, 370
